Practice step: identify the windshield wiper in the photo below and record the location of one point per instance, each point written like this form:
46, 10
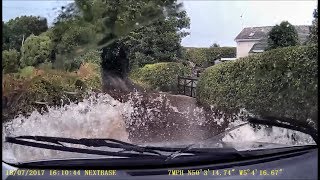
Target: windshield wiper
110, 143
56, 144
215, 138
287, 123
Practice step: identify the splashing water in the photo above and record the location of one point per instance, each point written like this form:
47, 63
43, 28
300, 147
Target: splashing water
156, 118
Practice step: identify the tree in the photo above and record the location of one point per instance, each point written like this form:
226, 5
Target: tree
127, 30
282, 35
5, 36
22, 27
10, 61
215, 45
36, 50
313, 38
157, 42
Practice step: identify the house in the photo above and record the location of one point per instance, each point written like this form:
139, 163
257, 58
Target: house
254, 39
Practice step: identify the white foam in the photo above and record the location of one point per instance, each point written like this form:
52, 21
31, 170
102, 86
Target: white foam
101, 116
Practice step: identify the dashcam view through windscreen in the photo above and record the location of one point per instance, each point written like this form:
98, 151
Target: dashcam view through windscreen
161, 73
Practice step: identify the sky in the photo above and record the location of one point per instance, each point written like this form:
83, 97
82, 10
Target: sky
212, 21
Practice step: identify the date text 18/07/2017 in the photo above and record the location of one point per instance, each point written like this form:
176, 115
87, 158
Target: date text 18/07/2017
52, 172
226, 172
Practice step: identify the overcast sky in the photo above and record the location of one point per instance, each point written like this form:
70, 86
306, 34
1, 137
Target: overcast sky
212, 21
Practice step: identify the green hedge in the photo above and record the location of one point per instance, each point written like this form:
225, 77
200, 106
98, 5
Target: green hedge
159, 76
280, 82
204, 57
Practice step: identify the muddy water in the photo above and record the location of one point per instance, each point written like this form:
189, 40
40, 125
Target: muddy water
153, 118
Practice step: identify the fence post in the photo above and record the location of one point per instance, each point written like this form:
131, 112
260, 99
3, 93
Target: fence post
191, 87
178, 84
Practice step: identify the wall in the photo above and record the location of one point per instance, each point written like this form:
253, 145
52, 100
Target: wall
244, 47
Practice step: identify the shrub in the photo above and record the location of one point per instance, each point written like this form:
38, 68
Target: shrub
36, 50
90, 74
215, 53
88, 57
27, 72
197, 56
205, 57
281, 82
10, 61
53, 87
45, 66
159, 76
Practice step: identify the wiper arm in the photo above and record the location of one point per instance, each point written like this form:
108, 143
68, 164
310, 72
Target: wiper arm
214, 139
287, 123
111, 143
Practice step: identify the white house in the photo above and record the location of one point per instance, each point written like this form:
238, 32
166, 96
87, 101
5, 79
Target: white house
254, 39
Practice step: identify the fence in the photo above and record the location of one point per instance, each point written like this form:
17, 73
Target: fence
187, 86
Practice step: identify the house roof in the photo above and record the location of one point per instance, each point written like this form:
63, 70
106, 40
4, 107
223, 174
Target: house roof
258, 33
259, 47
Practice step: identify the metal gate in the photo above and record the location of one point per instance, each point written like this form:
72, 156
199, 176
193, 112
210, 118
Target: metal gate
187, 86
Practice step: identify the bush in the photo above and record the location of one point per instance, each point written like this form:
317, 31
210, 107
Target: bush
281, 82
215, 53
27, 72
10, 61
88, 57
159, 76
36, 50
23, 93
90, 74
45, 66
197, 56
205, 57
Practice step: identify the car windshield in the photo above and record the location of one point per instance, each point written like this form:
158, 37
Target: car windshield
164, 73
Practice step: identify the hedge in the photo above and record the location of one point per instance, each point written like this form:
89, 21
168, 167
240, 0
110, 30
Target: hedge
281, 82
24, 92
159, 76
205, 57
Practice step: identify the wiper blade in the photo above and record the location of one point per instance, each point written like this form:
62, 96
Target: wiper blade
214, 139
111, 143
287, 123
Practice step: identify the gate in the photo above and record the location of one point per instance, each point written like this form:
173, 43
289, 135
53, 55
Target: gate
187, 86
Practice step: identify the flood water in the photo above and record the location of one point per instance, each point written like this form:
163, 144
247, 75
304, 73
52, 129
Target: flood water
155, 119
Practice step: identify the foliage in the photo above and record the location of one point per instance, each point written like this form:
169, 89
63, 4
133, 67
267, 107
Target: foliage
158, 42
20, 28
27, 72
45, 66
123, 16
90, 73
89, 57
41, 88
282, 35
159, 76
215, 45
10, 61
204, 57
74, 37
36, 50
280, 83
5, 36
313, 38
146, 31
197, 56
